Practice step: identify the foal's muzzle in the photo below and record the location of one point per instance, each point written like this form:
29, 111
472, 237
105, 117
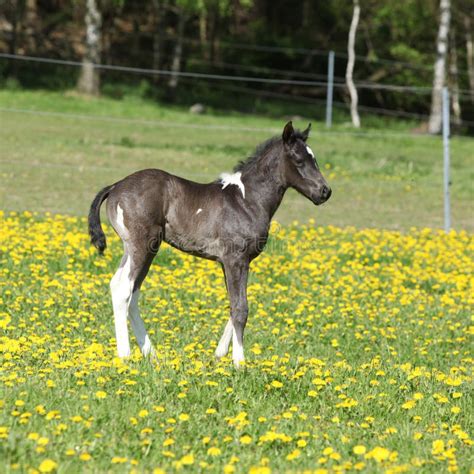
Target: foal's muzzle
326, 193
323, 195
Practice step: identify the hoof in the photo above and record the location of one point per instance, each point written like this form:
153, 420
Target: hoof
239, 364
123, 354
220, 353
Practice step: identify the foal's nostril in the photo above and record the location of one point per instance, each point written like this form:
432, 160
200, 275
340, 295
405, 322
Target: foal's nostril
326, 192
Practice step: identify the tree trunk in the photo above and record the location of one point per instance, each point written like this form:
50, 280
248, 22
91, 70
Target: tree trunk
469, 54
89, 80
435, 122
159, 13
350, 65
177, 56
453, 78
17, 13
212, 34
306, 13
203, 32
31, 25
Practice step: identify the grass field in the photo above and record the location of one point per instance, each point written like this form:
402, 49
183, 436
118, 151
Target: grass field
358, 356
57, 162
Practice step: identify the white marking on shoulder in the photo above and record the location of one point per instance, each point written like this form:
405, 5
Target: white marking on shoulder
308, 149
227, 178
198, 211
120, 222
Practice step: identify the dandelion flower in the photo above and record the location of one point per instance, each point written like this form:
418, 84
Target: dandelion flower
48, 465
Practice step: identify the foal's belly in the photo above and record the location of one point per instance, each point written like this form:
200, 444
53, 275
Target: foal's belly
197, 243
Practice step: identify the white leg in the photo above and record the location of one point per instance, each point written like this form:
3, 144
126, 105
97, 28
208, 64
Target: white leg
237, 350
121, 287
138, 326
224, 343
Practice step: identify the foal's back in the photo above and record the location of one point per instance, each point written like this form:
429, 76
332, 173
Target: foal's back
155, 205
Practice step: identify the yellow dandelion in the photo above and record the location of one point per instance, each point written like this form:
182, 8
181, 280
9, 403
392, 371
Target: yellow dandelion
409, 405
187, 460
359, 449
213, 451
48, 465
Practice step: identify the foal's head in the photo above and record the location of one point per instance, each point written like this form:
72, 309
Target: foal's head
300, 169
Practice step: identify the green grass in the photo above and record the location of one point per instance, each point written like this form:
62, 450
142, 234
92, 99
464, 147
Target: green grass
355, 339
58, 163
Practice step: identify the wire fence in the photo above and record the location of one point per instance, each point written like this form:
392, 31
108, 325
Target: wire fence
312, 83
223, 77
216, 127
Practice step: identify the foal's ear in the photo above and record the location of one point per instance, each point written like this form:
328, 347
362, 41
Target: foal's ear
305, 133
288, 133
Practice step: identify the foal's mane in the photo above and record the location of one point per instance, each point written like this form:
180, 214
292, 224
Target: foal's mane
261, 151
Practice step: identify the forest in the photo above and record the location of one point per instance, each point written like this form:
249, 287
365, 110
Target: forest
284, 44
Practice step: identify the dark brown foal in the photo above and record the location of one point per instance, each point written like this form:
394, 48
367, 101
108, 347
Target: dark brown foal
227, 220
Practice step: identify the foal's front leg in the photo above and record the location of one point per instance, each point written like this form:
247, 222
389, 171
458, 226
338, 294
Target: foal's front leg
236, 274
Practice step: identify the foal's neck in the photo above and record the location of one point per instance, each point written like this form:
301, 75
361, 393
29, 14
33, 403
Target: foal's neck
264, 185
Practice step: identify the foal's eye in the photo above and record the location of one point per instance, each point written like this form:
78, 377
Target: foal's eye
299, 161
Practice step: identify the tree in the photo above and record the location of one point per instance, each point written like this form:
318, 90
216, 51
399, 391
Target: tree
159, 11
182, 12
439, 79
350, 64
89, 79
454, 78
469, 54
31, 25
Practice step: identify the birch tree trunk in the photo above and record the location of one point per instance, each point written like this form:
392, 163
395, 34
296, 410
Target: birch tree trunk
469, 54
177, 56
350, 64
89, 80
439, 79
454, 78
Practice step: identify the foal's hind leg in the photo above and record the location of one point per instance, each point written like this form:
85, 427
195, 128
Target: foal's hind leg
224, 343
121, 287
125, 292
144, 259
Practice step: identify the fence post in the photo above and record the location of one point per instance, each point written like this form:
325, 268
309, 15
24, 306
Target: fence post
330, 85
447, 204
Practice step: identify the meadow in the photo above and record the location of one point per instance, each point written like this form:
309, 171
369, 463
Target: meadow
358, 356
359, 340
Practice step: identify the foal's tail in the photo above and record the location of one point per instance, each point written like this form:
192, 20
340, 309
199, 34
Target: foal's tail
95, 229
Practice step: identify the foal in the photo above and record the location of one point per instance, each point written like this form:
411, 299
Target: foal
226, 220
